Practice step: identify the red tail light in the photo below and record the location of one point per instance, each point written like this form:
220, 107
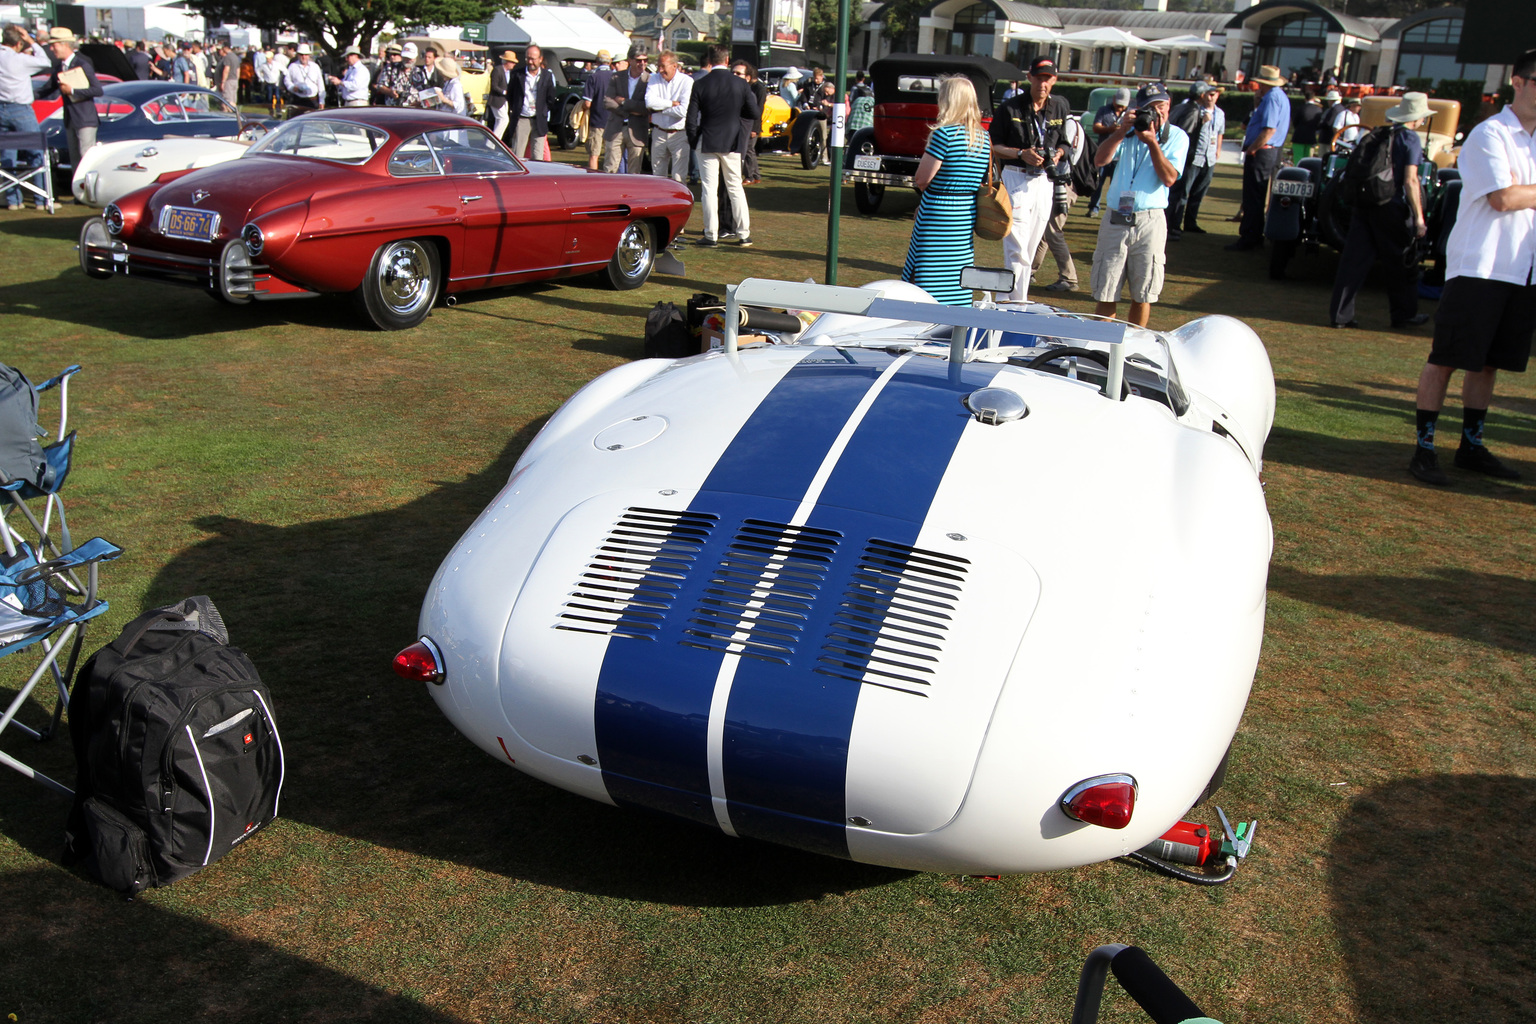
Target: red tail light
1105, 800
421, 662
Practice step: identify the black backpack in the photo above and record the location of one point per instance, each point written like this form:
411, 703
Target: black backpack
1368, 178
177, 752
667, 335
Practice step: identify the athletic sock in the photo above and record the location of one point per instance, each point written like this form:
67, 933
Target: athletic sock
1472, 427
1426, 428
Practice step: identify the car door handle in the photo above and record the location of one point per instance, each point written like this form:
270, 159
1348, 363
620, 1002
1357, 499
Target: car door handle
469, 199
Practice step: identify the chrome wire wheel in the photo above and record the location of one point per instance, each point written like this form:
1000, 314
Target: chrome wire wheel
633, 257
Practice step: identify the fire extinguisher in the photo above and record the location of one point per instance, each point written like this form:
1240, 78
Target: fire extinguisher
1189, 842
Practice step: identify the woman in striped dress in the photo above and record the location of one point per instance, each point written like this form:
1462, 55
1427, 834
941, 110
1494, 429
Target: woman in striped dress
948, 177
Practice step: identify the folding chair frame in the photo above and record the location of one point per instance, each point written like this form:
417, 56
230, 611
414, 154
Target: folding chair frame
23, 177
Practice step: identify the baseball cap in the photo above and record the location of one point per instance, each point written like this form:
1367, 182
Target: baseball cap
1042, 66
1122, 96
1151, 93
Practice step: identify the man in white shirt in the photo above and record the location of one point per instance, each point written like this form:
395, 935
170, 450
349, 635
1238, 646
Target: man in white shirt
21, 57
666, 97
1487, 311
304, 82
354, 82
1343, 123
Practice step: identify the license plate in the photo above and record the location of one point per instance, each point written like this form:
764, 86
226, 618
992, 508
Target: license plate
866, 163
1294, 188
185, 222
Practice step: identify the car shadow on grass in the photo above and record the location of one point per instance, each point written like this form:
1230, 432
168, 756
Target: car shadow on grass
1485, 608
1388, 461
322, 607
1432, 881
69, 945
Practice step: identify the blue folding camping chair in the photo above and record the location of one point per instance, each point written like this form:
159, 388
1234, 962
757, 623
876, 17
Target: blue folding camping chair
48, 584
37, 180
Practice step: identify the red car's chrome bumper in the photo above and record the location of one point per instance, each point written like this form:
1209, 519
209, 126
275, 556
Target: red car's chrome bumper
247, 281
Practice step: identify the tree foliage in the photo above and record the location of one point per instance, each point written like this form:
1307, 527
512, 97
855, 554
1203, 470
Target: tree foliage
821, 25
337, 24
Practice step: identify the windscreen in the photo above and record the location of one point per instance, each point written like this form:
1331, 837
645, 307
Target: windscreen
316, 138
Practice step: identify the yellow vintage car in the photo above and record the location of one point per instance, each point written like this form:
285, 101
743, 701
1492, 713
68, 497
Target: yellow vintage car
1439, 136
776, 118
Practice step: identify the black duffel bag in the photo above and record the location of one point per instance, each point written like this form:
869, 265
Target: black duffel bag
179, 757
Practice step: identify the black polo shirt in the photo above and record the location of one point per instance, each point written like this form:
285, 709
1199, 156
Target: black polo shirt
1017, 125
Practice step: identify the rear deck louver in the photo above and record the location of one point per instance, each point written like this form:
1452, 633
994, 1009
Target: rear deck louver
760, 595
893, 619
631, 582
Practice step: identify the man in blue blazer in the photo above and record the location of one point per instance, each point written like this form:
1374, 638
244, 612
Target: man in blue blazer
721, 103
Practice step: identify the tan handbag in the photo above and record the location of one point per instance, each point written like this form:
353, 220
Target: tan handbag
994, 210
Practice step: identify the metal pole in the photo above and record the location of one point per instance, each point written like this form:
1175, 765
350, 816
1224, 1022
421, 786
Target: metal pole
835, 141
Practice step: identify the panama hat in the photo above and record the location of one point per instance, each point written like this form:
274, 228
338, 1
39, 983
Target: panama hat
1269, 75
509, 55
349, 51
448, 67
60, 34
394, 48
303, 49
1414, 107
1332, 96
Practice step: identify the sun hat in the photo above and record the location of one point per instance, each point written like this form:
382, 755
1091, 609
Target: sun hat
1353, 101
603, 56
409, 51
60, 34
349, 51
509, 55
1414, 107
1269, 74
793, 75
448, 67
303, 49
394, 48
1332, 96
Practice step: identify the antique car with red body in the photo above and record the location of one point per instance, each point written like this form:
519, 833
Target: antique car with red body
394, 206
906, 106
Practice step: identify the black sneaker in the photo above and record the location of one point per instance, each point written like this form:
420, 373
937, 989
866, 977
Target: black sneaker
745, 241
1425, 466
1480, 460
707, 243
1417, 320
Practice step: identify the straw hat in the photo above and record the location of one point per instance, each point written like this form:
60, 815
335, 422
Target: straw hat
394, 48
351, 50
1414, 107
1269, 75
1332, 96
303, 49
603, 56
60, 34
448, 67
509, 55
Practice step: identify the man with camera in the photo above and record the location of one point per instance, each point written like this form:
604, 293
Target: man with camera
1149, 155
1028, 146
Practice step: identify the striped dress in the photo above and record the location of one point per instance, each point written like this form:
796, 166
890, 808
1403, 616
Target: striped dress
942, 235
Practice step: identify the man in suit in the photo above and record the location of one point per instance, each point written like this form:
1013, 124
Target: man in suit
496, 99
80, 120
530, 95
629, 124
720, 102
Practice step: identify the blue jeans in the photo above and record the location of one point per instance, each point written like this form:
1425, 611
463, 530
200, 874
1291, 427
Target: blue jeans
18, 117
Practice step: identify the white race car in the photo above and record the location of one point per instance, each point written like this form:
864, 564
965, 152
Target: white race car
111, 170
941, 588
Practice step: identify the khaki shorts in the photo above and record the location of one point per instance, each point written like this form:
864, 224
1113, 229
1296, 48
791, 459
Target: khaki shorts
594, 141
1130, 254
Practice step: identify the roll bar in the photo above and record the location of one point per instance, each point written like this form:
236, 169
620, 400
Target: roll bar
824, 298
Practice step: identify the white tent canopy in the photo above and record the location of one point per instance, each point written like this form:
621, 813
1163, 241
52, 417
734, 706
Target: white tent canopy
1107, 38
575, 33
1181, 44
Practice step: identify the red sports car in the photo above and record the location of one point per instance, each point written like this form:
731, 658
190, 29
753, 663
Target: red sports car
395, 206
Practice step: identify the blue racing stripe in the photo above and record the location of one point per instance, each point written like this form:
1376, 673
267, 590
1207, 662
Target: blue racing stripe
652, 710
787, 727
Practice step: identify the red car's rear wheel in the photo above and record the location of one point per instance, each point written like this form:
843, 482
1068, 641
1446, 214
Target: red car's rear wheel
401, 284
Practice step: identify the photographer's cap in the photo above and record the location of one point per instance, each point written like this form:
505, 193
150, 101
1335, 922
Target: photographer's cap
1151, 93
1043, 66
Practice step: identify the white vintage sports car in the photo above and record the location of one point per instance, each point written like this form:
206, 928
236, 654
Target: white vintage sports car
111, 170
940, 588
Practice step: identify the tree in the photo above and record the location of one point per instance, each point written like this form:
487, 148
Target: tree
821, 25
900, 19
338, 24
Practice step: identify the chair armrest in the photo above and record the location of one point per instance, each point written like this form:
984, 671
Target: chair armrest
92, 551
57, 379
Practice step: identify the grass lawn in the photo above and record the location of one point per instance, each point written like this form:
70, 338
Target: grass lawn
309, 474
